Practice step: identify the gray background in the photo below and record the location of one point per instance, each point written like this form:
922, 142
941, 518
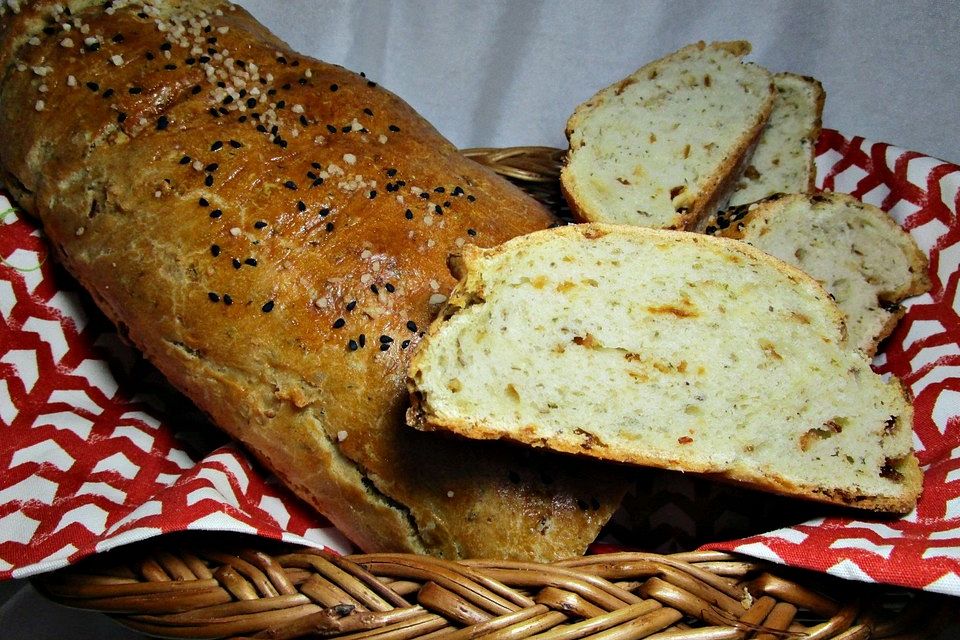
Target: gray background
496, 73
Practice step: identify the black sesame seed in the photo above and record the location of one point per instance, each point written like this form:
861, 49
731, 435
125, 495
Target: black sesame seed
312, 175
170, 67
216, 213
285, 86
204, 59
149, 54
362, 339
301, 206
303, 120
352, 345
390, 288
251, 103
93, 47
268, 307
281, 60
329, 227
93, 86
394, 128
236, 263
235, 144
339, 323
227, 100
135, 91
282, 104
49, 30
351, 305
295, 63
223, 111
121, 117
408, 214
384, 346
386, 339
189, 61
458, 191
204, 202
242, 119
212, 40
215, 250
118, 38
439, 190
271, 92
347, 129
371, 83
290, 184
471, 232
412, 326
324, 212
227, 300
274, 129
213, 166
424, 195
216, 146
447, 204
437, 209
261, 128
331, 128
375, 289
302, 81
213, 112
252, 262
404, 344
316, 183
166, 46
368, 111
373, 194
213, 297
208, 181
196, 89
334, 87
259, 224
280, 142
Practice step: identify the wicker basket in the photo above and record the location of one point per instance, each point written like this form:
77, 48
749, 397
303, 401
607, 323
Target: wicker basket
183, 586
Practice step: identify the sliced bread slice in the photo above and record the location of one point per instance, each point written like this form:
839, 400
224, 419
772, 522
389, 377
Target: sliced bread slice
663, 147
783, 161
855, 250
668, 349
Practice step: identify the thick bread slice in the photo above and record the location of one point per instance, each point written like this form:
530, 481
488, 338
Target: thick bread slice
669, 349
783, 161
266, 228
855, 250
664, 146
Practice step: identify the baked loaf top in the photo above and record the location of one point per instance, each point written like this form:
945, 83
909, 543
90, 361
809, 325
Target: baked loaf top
855, 250
669, 349
664, 146
783, 160
272, 231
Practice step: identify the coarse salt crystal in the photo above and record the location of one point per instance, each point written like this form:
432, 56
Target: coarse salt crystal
116, 59
297, 108
382, 139
35, 41
71, 81
235, 231
66, 42
449, 494
349, 158
39, 105
341, 436
438, 298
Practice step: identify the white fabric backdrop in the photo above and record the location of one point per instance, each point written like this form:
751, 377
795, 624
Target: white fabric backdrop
504, 73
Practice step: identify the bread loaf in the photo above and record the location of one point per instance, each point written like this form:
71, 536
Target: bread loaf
856, 251
783, 160
665, 146
272, 232
668, 349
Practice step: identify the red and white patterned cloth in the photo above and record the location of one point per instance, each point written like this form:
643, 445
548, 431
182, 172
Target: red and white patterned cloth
91, 459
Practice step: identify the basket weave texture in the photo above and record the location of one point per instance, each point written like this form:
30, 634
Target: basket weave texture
263, 590
218, 585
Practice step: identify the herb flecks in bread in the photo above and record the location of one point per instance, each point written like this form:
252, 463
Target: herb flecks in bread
663, 147
867, 263
783, 160
272, 232
667, 349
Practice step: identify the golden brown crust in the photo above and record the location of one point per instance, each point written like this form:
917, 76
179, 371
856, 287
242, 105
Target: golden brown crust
240, 211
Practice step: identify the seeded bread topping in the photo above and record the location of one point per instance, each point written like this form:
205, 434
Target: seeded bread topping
272, 231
